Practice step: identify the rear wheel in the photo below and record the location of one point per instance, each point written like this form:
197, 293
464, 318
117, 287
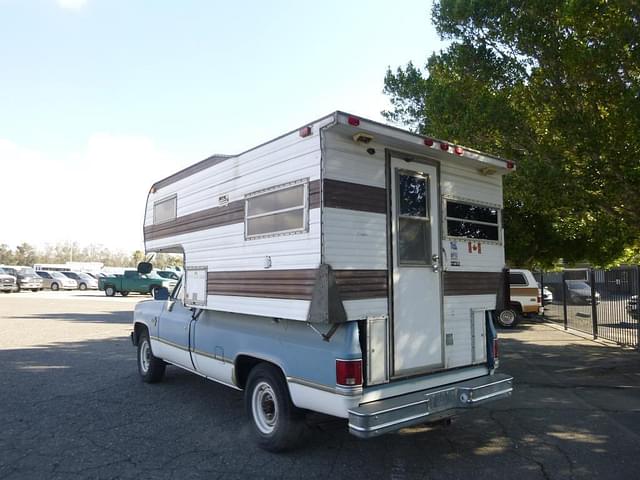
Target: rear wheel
277, 424
109, 291
55, 286
83, 286
507, 318
151, 368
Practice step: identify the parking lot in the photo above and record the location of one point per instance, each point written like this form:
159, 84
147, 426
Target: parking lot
72, 406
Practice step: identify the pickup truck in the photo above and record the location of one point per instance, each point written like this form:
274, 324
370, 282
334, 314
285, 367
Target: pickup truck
132, 281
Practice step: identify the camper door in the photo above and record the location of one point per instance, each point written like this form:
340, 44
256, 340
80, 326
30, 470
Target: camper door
417, 324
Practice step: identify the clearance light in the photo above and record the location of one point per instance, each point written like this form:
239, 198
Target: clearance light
305, 131
349, 373
444, 146
428, 142
510, 164
353, 121
458, 150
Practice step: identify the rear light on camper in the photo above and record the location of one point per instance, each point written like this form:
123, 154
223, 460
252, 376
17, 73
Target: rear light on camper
349, 373
444, 146
353, 121
428, 142
305, 131
510, 164
458, 150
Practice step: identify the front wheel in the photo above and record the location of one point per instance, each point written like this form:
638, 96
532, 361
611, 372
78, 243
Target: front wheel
150, 368
55, 287
507, 318
109, 291
83, 286
277, 424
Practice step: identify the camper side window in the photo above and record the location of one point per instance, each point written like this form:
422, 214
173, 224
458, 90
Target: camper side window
473, 221
277, 211
164, 210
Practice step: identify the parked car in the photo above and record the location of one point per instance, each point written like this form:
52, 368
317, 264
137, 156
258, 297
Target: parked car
632, 305
547, 295
132, 281
56, 280
84, 281
579, 293
524, 300
8, 283
26, 277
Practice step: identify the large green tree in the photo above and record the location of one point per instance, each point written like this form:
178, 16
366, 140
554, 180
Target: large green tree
555, 86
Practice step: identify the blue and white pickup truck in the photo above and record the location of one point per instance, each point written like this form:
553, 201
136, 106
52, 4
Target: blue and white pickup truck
287, 367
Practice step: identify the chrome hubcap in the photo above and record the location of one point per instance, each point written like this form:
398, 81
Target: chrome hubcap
265, 408
145, 356
507, 317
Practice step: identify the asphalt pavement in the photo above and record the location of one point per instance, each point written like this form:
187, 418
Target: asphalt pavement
72, 407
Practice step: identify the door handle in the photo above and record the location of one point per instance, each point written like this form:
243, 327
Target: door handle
436, 262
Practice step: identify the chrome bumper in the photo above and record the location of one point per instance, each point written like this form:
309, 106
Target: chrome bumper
383, 416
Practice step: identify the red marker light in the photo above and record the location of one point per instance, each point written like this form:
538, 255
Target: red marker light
353, 121
428, 142
458, 150
510, 164
305, 131
444, 146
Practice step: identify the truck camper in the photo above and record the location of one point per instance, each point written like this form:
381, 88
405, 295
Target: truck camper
347, 267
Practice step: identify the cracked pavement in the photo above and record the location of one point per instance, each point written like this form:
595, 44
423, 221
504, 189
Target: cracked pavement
72, 407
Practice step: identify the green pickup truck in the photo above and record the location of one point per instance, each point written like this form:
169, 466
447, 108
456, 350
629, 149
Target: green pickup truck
132, 281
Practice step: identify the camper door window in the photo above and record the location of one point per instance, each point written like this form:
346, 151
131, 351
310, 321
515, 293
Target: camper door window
164, 210
469, 220
277, 211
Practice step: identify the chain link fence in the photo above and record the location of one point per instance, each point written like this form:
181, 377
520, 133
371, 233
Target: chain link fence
603, 303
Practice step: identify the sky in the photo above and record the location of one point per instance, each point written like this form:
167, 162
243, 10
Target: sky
100, 98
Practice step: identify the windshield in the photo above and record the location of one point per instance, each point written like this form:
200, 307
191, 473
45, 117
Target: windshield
84, 276
27, 271
58, 275
3, 271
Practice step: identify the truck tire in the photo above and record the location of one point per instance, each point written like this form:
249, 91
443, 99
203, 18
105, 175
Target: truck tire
277, 424
109, 291
152, 290
55, 287
507, 318
124, 294
150, 367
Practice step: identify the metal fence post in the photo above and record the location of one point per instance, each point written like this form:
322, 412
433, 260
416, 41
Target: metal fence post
564, 299
542, 291
594, 306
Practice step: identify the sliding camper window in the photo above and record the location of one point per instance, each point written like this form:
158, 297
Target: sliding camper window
468, 220
165, 210
276, 211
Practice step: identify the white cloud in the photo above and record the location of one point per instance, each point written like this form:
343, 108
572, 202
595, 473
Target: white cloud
96, 195
71, 4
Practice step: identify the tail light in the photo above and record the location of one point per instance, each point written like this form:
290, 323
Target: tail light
496, 352
349, 373
539, 299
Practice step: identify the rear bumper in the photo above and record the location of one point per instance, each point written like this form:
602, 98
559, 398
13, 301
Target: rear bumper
383, 416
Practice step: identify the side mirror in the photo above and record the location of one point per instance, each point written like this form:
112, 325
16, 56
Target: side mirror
161, 293
144, 268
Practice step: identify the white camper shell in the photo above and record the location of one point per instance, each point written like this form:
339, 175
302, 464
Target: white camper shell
345, 219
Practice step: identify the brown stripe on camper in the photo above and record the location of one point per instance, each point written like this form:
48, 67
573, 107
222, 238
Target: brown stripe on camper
212, 217
361, 284
471, 283
209, 218
296, 284
290, 284
354, 196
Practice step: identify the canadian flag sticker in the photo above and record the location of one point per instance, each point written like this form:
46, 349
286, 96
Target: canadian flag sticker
475, 247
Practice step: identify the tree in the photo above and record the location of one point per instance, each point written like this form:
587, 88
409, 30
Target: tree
554, 85
25, 254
